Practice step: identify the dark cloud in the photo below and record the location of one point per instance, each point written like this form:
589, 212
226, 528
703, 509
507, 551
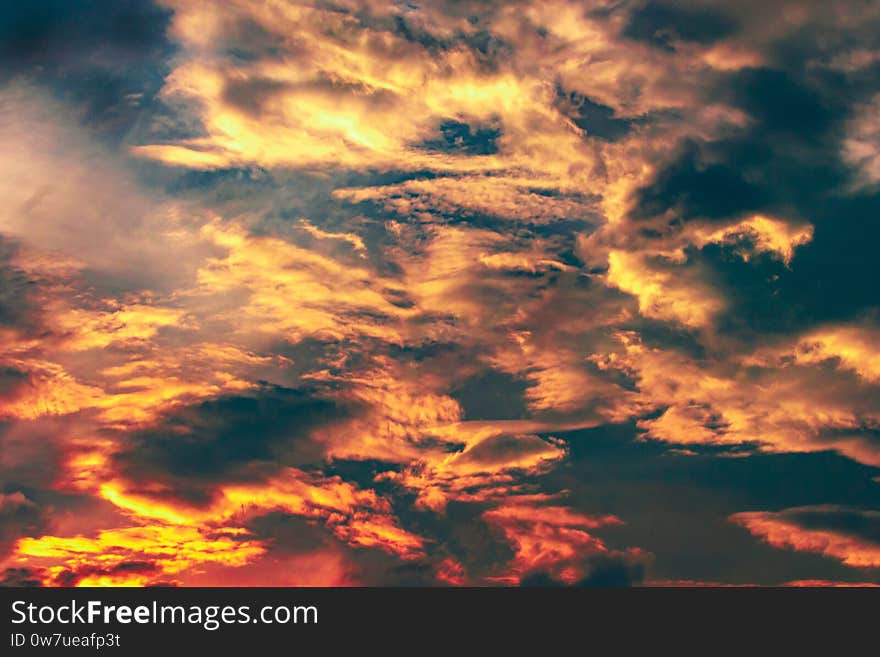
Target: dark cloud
603, 571
676, 507
698, 184
597, 120
247, 40
21, 577
461, 281
832, 279
33, 453
19, 516
461, 533
492, 395
785, 160
73, 576
291, 534
466, 139
16, 288
854, 522
663, 24
57, 31
102, 55
10, 380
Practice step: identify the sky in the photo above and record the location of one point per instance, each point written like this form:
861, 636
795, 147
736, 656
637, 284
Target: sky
439, 293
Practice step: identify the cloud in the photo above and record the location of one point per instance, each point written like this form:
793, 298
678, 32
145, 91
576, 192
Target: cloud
849, 535
350, 292
168, 549
661, 294
18, 516
66, 194
861, 149
555, 542
779, 409
603, 571
850, 347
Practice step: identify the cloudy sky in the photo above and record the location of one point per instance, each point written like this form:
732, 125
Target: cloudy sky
436, 292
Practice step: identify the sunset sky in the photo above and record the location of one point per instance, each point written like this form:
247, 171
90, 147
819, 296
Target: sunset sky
441, 292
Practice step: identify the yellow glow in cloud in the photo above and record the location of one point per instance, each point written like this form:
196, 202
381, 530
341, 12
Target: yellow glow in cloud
769, 235
856, 348
661, 293
95, 330
707, 405
46, 390
171, 549
295, 292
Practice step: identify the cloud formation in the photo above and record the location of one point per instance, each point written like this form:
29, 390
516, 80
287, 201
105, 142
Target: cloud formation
372, 292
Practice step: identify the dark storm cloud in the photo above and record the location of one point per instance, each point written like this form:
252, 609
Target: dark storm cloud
21, 577
786, 159
291, 538
248, 41
462, 534
662, 24
33, 452
58, 32
676, 507
595, 119
104, 56
855, 522
488, 49
492, 395
10, 379
831, 280
291, 534
237, 437
787, 162
490, 223
16, 287
19, 516
73, 576
458, 137
251, 94
603, 571
835, 274
697, 186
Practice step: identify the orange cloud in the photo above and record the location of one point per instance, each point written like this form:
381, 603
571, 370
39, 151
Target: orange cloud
487, 468
853, 347
824, 583
781, 530
180, 539
661, 293
548, 539
46, 389
723, 405
388, 263
294, 292
352, 238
